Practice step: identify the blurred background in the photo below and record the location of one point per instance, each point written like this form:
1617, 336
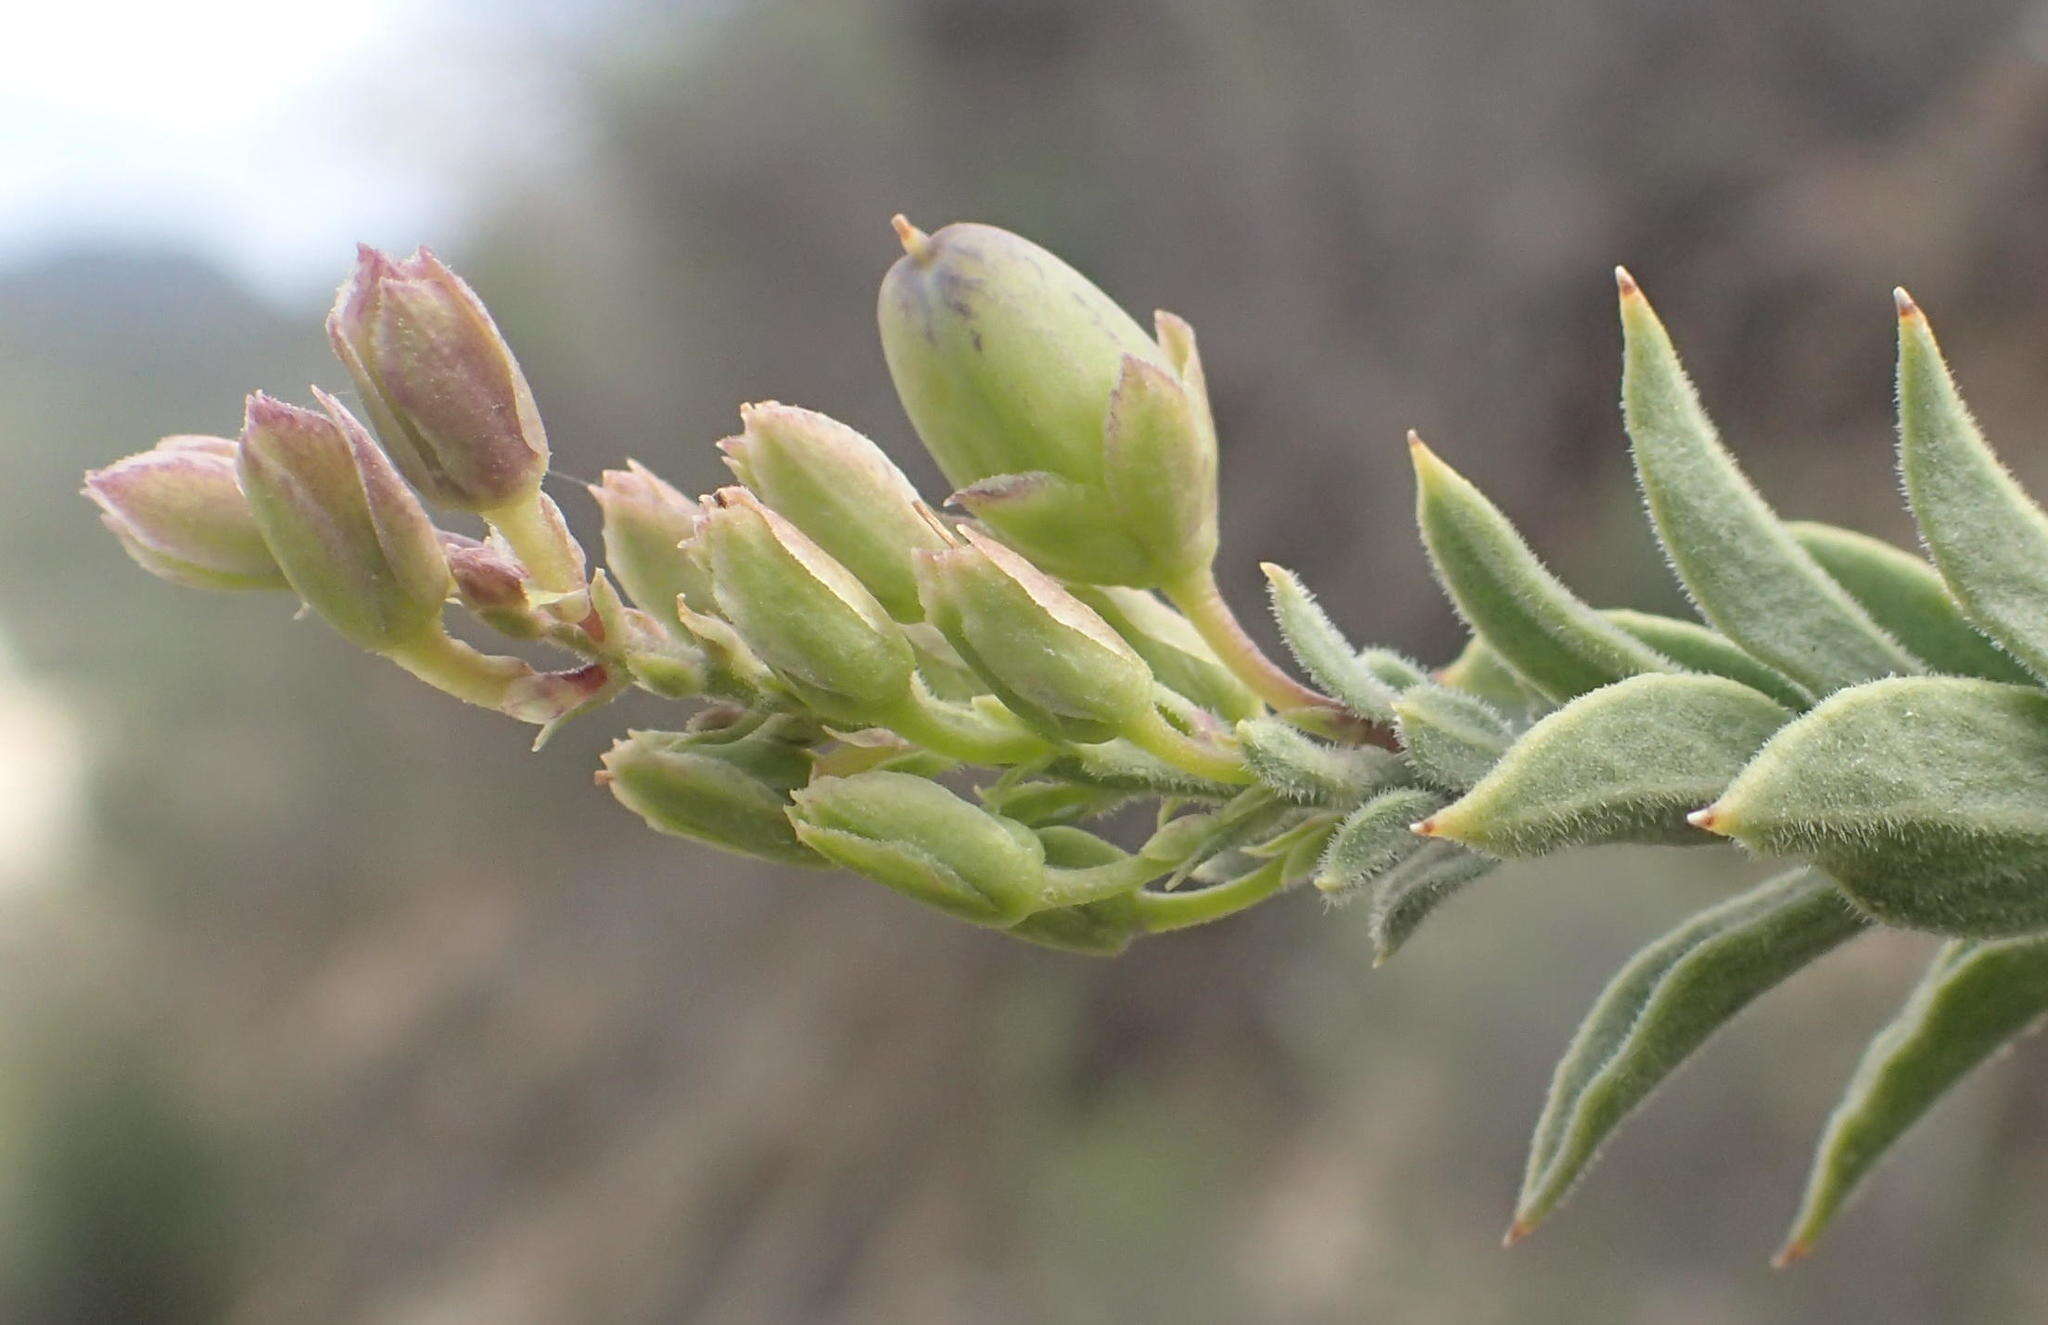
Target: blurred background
325, 1001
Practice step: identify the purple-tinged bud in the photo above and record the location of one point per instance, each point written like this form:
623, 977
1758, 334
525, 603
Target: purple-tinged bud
838, 487
491, 583
348, 533
645, 520
180, 514
439, 382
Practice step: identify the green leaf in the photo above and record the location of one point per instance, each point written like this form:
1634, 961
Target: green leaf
1308, 771
1749, 577
1395, 671
1625, 763
1987, 537
1410, 892
1478, 670
1974, 999
1925, 797
1699, 649
1905, 595
1172, 648
1373, 839
1323, 651
1555, 642
1451, 737
1660, 1008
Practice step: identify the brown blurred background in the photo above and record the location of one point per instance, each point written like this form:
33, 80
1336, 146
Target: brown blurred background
325, 1001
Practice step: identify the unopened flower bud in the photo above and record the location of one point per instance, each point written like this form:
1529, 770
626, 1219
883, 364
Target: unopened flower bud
645, 521
1044, 652
731, 794
838, 487
920, 839
439, 382
348, 533
1083, 441
803, 613
492, 584
179, 512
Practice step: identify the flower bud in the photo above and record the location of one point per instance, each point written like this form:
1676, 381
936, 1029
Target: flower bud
348, 533
838, 487
921, 839
645, 521
491, 584
803, 613
180, 514
731, 794
439, 382
1083, 441
1045, 653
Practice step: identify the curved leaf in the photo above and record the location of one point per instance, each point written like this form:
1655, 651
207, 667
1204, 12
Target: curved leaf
1410, 893
1625, 763
1373, 839
1698, 648
1450, 737
1925, 797
1974, 999
1660, 1008
1323, 651
1748, 575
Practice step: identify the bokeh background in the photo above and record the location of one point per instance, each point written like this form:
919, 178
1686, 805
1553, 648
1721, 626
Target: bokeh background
322, 1000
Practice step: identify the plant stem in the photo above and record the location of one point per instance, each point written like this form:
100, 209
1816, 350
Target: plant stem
1160, 737
1074, 887
532, 527
1202, 603
963, 733
455, 668
1163, 911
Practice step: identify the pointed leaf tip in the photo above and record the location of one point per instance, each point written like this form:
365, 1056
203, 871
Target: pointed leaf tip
1904, 302
1424, 828
1708, 819
1791, 1254
1518, 1230
1626, 283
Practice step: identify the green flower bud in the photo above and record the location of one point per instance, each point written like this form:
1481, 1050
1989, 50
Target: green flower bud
1044, 652
645, 521
348, 533
1064, 426
439, 382
730, 794
180, 514
838, 487
922, 840
803, 613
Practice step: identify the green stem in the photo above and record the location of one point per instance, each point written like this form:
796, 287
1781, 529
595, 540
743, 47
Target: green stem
962, 733
1075, 887
1160, 912
451, 666
1202, 603
1159, 737
532, 527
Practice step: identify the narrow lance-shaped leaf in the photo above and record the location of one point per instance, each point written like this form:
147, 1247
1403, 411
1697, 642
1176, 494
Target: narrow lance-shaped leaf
1925, 797
1373, 839
1975, 998
1451, 737
1323, 651
1660, 1008
1557, 643
1478, 670
1625, 763
1905, 595
1749, 576
1988, 538
1697, 648
1307, 770
1410, 893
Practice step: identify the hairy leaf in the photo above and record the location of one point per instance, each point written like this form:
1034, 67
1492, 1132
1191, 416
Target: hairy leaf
1988, 539
1306, 770
1660, 1008
1374, 838
1478, 670
1409, 893
1451, 737
1976, 997
1697, 648
1925, 797
1555, 642
1323, 651
1748, 575
1905, 595
1625, 763
1395, 671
